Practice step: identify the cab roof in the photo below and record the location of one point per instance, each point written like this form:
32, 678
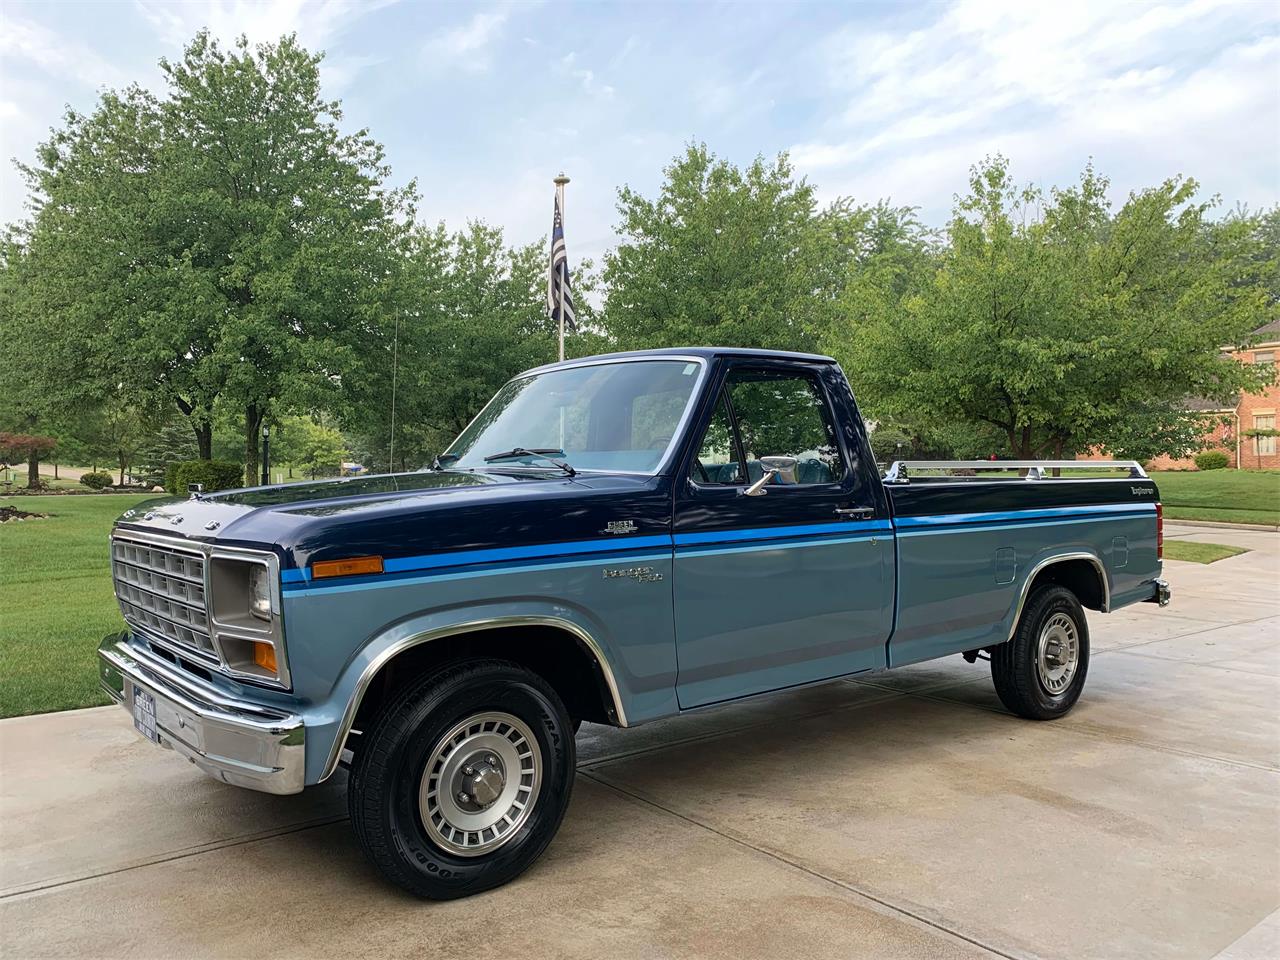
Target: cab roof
705, 353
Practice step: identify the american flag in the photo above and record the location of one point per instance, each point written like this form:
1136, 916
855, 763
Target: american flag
559, 294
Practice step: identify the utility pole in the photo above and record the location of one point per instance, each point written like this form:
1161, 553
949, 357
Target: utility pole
560, 181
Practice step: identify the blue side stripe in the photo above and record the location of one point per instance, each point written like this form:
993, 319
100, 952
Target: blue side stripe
809, 530
925, 531
462, 558
1006, 516
497, 559
348, 584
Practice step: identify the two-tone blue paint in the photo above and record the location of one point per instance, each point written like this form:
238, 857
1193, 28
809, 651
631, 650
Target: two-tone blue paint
747, 594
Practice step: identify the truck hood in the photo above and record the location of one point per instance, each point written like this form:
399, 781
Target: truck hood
395, 514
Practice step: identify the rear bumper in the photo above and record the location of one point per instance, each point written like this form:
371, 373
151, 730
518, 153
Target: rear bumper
241, 743
1160, 593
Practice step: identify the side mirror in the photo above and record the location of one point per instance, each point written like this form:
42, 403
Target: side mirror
781, 467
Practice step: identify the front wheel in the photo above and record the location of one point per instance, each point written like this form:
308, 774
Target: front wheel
464, 779
1040, 672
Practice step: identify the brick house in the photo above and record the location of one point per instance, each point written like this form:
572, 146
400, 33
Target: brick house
1252, 411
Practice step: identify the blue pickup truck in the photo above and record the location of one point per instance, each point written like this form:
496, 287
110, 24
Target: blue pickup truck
614, 540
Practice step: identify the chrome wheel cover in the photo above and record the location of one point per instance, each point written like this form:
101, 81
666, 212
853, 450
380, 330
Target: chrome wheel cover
480, 784
1058, 653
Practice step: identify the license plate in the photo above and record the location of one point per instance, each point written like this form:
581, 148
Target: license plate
144, 714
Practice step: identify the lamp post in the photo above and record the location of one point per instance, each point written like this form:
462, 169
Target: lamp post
266, 455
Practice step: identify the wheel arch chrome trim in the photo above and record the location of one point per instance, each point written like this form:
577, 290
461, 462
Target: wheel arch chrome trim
1050, 561
375, 666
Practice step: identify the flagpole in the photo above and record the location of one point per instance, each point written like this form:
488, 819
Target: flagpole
560, 181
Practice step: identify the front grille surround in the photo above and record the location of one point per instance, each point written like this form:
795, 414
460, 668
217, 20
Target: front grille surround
162, 585
161, 591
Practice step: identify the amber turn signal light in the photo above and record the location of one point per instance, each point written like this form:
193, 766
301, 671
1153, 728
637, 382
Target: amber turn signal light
264, 656
345, 568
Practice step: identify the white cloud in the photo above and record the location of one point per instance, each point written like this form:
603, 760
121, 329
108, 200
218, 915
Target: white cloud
585, 77
318, 23
25, 40
468, 45
1150, 91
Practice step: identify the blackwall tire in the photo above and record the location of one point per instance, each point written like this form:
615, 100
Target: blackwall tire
1040, 673
463, 780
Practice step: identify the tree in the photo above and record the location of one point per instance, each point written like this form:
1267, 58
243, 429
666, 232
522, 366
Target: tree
169, 442
321, 449
471, 315
26, 448
726, 255
1063, 326
232, 243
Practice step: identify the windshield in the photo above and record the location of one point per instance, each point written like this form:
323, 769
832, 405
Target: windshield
605, 416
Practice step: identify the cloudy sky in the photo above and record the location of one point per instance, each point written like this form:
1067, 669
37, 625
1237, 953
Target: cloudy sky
484, 103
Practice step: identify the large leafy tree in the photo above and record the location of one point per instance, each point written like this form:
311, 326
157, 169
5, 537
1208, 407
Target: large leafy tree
739, 256
470, 315
1060, 325
227, 241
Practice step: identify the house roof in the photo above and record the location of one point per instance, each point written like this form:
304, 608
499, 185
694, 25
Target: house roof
1202, 405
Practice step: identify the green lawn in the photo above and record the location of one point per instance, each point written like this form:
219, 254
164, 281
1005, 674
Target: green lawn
1199, 552
56, 601
1233, 496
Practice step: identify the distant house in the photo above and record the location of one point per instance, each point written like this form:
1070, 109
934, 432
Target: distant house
1252, 411
352, 469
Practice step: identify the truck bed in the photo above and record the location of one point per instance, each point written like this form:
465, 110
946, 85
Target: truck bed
968, 549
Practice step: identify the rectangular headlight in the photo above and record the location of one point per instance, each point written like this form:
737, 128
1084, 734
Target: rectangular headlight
248, 630
260, 592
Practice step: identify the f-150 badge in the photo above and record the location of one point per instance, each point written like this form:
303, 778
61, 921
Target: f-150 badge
638, 574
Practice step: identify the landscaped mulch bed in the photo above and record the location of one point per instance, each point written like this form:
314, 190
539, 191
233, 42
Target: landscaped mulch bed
8, 513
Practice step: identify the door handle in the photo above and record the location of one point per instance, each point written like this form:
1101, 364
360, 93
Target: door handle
856, 511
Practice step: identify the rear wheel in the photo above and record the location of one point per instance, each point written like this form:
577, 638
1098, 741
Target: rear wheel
464, 779
1040, 673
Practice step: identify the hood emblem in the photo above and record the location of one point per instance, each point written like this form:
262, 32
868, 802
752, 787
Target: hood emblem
149, 515
213, 525
619, 526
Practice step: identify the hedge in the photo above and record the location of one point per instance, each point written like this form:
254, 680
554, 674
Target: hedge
210, 474
98, 480
1211, 460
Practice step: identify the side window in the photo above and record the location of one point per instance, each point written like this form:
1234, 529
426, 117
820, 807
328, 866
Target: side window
717, 456
784, 414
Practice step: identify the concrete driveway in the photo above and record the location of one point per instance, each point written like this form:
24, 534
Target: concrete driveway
904, 814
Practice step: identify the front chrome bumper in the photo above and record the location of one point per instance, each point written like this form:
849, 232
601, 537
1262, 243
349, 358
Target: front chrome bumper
241, 743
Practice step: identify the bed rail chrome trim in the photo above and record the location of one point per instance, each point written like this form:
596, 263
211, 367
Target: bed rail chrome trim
899, 470
471, 626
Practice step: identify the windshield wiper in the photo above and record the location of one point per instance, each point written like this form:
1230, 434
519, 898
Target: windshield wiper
444, 460
543, 453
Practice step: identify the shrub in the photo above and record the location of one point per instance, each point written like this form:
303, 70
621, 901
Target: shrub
1211, 460
210, 474
96, 481
171, 477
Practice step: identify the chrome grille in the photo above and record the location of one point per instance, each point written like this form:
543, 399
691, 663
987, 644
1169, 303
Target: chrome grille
161, 590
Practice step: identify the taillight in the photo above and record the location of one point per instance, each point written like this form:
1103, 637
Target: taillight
1159, 531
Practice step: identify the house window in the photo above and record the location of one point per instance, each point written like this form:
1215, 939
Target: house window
1264, 358
1265, 446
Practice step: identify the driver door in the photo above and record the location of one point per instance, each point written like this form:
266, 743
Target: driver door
785, 587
